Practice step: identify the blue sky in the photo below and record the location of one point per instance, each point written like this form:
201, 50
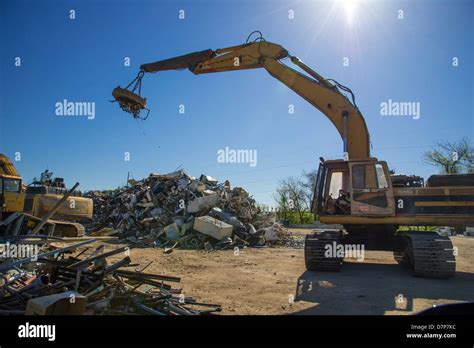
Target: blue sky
407, 59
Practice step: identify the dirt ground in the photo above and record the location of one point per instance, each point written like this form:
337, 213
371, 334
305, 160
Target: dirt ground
273, 280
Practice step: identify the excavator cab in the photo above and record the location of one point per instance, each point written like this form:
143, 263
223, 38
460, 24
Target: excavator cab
11, 195
353, 188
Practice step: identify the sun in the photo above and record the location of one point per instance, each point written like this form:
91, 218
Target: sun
349, 7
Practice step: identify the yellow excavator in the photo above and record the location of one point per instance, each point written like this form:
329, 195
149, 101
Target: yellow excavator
24, 207
355, 191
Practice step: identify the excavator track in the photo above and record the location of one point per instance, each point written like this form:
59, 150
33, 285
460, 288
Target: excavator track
21, 223
68, 229
315, 250
428, 254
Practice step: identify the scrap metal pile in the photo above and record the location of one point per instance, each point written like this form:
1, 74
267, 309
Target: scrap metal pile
63, 280
178, 210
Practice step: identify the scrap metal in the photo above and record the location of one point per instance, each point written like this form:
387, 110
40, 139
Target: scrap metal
106, 286
162, 210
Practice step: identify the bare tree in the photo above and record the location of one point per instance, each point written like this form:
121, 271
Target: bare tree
291, 196
452, 157
282, 202
309, 182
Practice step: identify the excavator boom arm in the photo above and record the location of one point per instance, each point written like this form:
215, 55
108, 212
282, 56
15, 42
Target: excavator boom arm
316, 90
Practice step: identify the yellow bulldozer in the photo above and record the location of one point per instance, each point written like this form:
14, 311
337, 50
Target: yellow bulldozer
45, 206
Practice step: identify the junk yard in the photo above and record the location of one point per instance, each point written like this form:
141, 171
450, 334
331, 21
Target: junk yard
381, 222
174, 244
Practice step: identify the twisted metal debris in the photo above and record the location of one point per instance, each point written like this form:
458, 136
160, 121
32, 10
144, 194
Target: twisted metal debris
162, 210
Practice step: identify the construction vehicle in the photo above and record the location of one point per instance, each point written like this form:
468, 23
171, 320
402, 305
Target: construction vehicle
24, 207
355, 191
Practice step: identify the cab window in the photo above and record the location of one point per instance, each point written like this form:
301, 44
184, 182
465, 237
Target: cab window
368, 176
381, 179
358, 176
336, 184
11, 185
364, 177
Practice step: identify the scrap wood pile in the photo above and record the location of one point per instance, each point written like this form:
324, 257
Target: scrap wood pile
63, 280
178, 210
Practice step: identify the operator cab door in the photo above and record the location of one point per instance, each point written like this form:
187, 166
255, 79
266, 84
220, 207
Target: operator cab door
11, 195
371, 189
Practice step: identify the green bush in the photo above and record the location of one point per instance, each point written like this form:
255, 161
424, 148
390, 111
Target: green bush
294, 218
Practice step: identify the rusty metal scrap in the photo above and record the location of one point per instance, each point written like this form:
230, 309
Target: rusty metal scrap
107, 286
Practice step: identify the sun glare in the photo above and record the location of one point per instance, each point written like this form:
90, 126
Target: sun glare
349, 7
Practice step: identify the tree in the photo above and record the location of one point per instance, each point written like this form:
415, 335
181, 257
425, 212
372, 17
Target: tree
452, 157
309, 182
291, 196
282, 202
